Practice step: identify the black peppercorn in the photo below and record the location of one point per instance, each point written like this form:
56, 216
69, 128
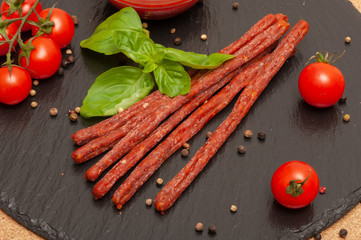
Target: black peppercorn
71, 59
177, 41
60, 71
261, 136
241, 149
343, 233
65, 63
342, 99
212, 229
75, 19
185, 152
235, 5
208, 134
73, 117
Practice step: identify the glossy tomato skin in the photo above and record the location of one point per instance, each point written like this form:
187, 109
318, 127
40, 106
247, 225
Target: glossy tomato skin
44, 60
321, 84
63, 30
25, 7
10, 32
15, 88
293, 170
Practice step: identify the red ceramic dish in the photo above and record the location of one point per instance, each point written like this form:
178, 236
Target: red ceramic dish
155, 9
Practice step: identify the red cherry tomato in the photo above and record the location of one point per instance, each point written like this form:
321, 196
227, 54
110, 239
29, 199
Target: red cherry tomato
10, 32
44, 60
300, 193
321, 84
25, 7
63, 30
15, 88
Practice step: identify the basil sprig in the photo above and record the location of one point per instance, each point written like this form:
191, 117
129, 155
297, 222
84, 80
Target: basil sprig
123, 86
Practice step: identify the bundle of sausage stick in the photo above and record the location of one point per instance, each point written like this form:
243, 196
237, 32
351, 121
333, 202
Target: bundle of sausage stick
171, 122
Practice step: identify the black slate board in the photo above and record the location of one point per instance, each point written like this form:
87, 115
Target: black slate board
35, 149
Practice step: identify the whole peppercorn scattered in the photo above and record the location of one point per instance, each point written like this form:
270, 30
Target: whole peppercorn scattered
60, 71
186, 146
53, 112
233, 208
148, 202
235, 5
199, 227
77, 109
261, 136
248, 133
323, 190
75, 19
185, 153
145, 25
346, 117
208, 134
342, 99
317, 236
347, 39
33, 104
120, 110
35, 82
241, 149
343, 233
65, 63
177, 41
73, 117
70, 111
212, 229
172, 30
204, 37
159, 181
32, 92
69, 51
71, 59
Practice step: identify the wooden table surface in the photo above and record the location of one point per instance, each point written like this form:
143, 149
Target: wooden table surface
11, 230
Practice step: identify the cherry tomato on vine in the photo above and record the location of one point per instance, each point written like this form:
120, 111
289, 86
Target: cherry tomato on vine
295, 184
10, 32
14, 88
25, 7
44, 60
321, 84
63, 30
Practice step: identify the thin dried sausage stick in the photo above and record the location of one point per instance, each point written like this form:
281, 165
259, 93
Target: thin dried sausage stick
183, 133
128, 161
247, 52
87, 134
169, 194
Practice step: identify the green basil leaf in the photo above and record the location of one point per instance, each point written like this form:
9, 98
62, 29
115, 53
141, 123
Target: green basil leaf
172, 79
135, 45
195, 60
102, 39
115, 88
149, 67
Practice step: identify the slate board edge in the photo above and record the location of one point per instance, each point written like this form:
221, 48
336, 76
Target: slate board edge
324, 220
38, 226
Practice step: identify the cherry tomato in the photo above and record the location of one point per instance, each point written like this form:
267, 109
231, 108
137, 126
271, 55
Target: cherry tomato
63, 30
25, 7
321, 84
10, 32
44, 60
295, 184
15, 88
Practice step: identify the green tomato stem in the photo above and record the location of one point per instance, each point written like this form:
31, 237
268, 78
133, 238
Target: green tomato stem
18, 32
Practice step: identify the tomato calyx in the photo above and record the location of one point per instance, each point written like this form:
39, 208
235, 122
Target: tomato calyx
295, 186
45, 25
26, 49
326, 57
14, 6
